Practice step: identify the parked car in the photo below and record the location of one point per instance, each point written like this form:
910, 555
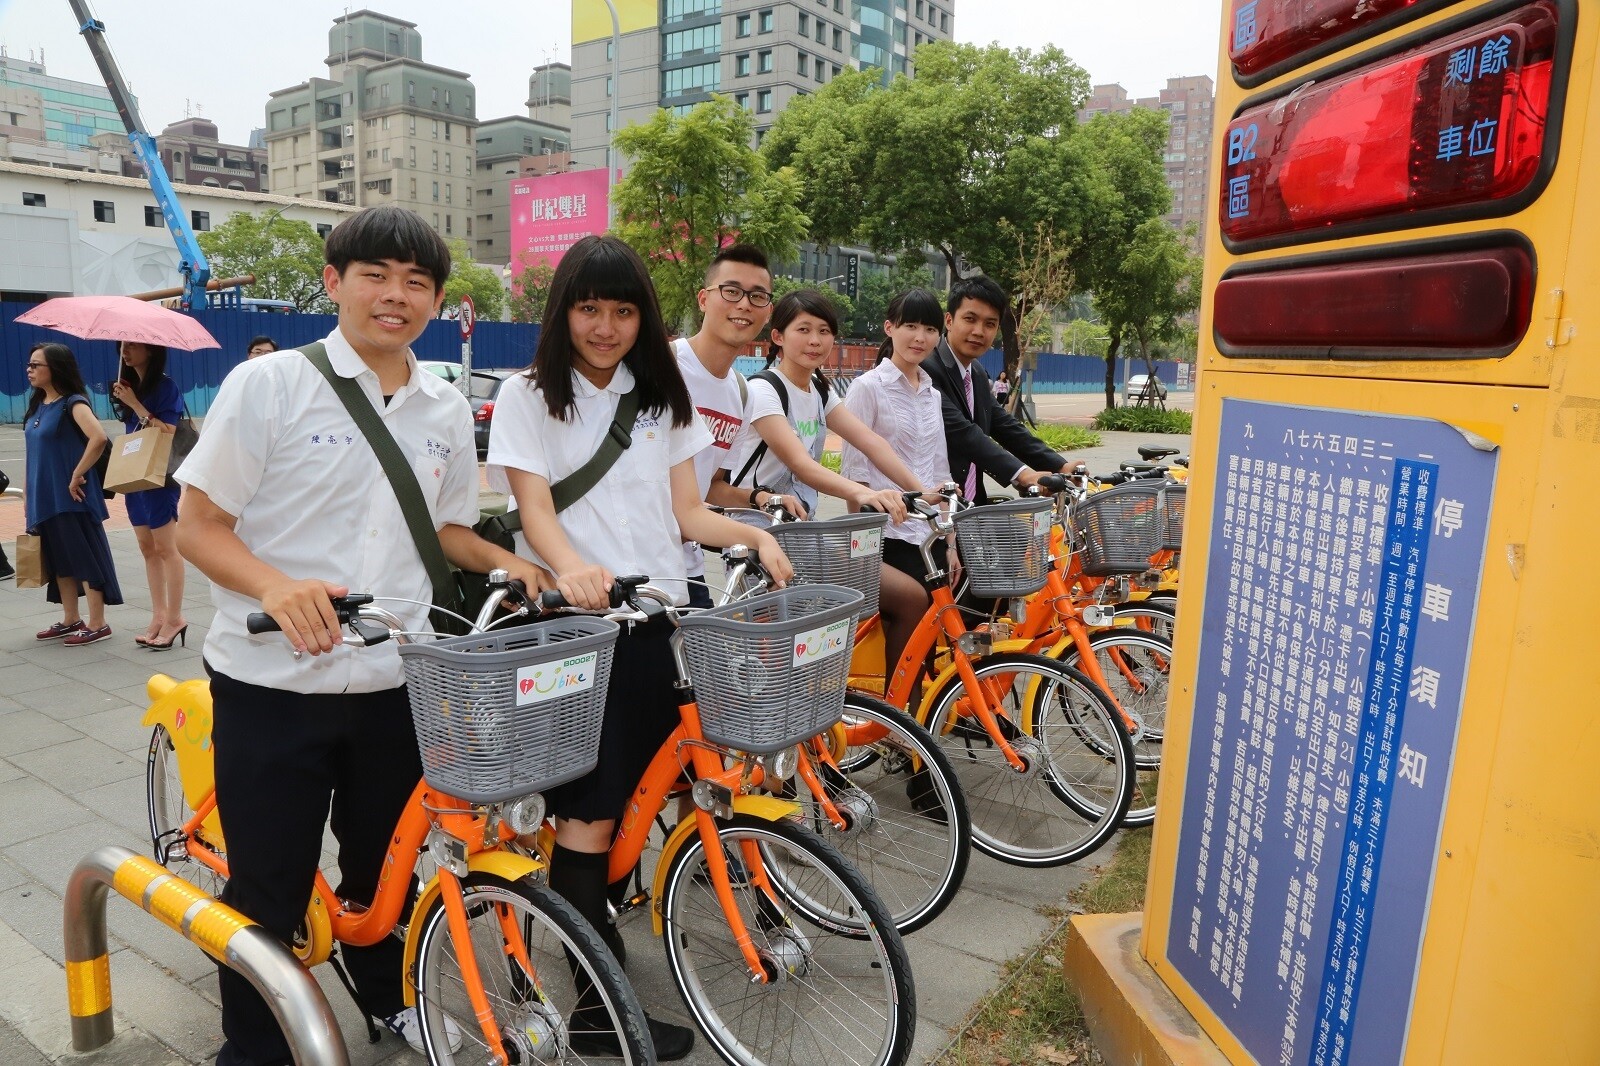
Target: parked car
485, 387
1136, 386
451, 372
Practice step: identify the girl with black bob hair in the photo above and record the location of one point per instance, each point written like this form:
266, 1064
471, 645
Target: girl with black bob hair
144, 397
603, 338
916, 306
604, 268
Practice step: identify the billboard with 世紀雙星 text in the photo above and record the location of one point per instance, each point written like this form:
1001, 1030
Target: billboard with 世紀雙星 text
550, 214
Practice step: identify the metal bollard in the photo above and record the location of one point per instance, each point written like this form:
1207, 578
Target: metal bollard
223, 933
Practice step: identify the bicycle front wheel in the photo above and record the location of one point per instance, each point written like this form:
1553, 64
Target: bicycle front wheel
835, 994
536, 959
907, 827
1075, 783
168, 810
1137, 668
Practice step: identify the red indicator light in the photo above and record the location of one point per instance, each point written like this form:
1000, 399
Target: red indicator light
1455, 122
1452, 304
1265, 33
484, 413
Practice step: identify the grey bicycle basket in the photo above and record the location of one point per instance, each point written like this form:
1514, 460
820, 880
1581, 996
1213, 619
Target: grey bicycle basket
1173, 500
1005, 547
770, 671
1121, 527
847, 551
513, 711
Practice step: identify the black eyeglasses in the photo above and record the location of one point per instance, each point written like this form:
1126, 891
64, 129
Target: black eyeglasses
37, 366
733, 294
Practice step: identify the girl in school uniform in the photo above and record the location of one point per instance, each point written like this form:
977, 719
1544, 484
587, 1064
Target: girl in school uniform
897, 401
602, 337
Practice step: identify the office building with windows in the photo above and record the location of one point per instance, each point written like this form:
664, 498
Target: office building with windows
51, 121
516, 147
383, 127
763, 53
1187, 157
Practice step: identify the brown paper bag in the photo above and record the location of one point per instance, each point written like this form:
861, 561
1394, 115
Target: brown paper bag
30, 562
139, 461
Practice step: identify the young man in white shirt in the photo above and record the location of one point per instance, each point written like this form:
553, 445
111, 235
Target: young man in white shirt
736, 301
286, 505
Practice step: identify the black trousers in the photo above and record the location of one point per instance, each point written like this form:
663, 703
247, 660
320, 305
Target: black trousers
284, 762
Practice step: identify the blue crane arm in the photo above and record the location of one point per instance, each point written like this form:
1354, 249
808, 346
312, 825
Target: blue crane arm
191, 260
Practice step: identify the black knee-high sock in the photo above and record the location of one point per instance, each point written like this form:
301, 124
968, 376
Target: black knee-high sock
580, 877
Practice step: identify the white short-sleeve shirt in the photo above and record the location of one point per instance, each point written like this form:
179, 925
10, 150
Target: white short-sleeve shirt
808, 417
720, 404
280, 452
911, 418
625, 523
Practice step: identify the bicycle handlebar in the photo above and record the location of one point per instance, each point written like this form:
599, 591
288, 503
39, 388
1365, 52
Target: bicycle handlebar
622, 590
345, 607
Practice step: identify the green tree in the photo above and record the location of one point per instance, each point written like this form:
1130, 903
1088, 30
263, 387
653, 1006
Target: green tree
843, 305
473, 279
284, 254
530, 286
979, 152
875, 288
693, 185
1155, 284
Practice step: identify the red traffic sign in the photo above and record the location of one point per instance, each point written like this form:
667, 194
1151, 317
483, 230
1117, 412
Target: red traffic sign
467, 317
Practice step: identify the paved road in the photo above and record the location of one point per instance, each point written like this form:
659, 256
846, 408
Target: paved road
72, 759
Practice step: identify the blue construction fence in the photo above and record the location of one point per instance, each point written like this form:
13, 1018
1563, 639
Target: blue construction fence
198, 374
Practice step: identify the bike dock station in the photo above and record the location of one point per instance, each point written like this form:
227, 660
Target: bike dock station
1377, 827
227, 936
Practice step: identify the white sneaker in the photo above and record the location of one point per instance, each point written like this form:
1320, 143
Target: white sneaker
408, 1025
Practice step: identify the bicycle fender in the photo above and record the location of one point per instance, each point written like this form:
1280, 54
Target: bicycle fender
767, 808
506, 865
931, 691
184, 709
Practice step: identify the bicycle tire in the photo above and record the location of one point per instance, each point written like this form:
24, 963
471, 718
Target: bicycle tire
859, 1009
1159, 616
529, 1013
168, 809
1071, 798
1120, 652
909, 832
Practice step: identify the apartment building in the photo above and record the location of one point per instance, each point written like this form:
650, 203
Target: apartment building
383, 127
1187, 158
516, 147
193, 154
51, 121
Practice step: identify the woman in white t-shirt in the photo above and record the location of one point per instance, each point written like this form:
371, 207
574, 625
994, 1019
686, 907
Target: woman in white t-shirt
603, 337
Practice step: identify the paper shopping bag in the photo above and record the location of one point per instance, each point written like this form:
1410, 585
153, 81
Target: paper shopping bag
139, 461
30, 562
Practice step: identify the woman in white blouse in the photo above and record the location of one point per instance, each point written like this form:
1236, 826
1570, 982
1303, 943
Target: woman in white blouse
603, 337
897, 401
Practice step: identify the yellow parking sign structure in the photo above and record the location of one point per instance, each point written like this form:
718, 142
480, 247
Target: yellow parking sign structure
1378, 836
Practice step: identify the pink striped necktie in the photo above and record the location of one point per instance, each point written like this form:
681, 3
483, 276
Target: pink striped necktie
970, 490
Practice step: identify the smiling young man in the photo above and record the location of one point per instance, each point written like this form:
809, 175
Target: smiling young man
981, 437
284, 506
736, 301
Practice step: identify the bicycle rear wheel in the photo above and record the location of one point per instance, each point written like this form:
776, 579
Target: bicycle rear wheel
836, 994
909, 831
1137, 668
534, 955
168, 810
1076, 785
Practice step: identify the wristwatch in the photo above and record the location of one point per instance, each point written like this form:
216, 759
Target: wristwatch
759, 488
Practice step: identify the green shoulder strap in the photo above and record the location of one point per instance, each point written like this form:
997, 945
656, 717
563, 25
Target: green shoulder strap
402, 479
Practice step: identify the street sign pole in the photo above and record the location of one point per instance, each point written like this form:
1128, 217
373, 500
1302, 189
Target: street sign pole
466, 319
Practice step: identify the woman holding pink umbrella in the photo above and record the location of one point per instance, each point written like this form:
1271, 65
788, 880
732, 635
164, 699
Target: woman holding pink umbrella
145, 398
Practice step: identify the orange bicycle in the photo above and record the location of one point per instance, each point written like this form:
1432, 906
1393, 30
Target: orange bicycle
779, 947
495, 962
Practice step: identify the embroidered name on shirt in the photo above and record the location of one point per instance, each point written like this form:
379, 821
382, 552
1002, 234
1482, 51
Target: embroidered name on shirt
332, 438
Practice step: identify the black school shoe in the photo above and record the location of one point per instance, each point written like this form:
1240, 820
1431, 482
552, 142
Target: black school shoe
672, 1042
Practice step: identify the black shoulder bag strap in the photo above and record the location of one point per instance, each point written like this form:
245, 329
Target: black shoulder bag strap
771, 378
402, 479
499, 529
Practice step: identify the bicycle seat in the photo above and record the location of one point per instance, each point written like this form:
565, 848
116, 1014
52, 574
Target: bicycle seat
1152, 452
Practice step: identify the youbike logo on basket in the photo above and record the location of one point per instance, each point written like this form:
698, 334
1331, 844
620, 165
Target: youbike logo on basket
866, 543
820, 644
548, 681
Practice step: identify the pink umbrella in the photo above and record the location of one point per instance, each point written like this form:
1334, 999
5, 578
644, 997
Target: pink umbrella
120, 318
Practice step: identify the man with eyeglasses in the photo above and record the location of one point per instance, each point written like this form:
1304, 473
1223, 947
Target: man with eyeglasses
736, 301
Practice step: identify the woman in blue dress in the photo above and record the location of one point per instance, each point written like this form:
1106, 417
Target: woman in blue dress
145, 397
65, 508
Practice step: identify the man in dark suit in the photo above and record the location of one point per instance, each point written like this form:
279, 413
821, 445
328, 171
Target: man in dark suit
981, 436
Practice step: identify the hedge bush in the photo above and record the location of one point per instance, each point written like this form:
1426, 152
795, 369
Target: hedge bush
1064, 438
1144, 420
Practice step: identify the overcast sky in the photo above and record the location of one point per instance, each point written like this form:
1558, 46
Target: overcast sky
221, 58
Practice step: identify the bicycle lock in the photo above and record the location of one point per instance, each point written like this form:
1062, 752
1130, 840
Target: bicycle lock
220, 931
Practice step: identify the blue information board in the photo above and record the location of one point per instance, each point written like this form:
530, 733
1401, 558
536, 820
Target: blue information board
1342, 586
